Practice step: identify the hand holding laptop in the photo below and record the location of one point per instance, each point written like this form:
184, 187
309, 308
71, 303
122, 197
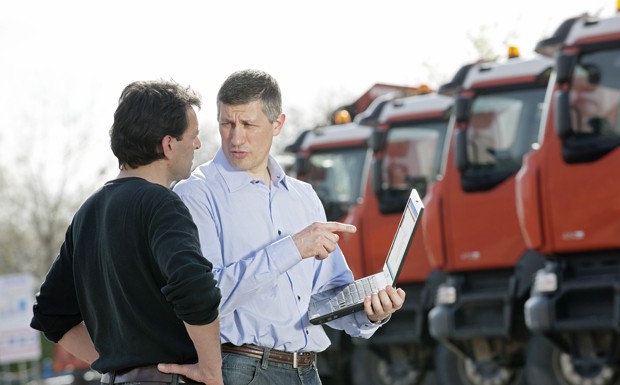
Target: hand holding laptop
320, 238
339, 301
381, 305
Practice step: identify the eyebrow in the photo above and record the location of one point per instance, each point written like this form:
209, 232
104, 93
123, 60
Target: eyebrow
248, 121
242, 121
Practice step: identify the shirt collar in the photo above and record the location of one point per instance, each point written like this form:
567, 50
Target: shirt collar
236, 179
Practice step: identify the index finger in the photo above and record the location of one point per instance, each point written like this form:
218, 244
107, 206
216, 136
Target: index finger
340, 227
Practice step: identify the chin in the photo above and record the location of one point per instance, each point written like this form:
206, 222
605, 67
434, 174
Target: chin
239, 165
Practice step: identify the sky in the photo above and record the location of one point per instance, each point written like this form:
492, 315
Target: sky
65, 62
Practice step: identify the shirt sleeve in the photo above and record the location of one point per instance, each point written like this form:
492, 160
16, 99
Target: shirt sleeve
56, 308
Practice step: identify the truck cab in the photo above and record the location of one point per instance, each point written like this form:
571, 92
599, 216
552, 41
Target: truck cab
363, 172
335, 161
471, 226
568, 203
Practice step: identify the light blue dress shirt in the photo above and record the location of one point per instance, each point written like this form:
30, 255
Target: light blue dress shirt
245, 230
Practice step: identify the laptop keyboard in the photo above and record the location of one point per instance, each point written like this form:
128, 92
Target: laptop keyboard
354, 293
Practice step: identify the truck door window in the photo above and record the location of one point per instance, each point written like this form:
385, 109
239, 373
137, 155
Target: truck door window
502, 128
595, 95
337, 177
412, 156
593, 103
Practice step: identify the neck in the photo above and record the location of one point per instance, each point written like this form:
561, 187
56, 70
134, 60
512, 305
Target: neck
267, 178
150, 172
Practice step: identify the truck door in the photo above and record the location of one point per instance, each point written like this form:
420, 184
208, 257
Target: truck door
501, 128
584, 207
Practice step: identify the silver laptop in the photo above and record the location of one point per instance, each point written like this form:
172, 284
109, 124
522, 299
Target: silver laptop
343, 300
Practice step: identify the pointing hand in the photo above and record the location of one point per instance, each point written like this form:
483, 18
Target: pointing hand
320, 238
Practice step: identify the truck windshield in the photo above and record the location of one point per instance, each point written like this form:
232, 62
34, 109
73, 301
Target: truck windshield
412, 157
337, 177
501, 130
595, 96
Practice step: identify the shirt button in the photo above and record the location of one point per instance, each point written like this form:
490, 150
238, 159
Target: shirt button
307, 332
299, 298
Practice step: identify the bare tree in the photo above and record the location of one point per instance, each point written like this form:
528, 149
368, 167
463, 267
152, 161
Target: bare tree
34, 218
483, 44
42, 190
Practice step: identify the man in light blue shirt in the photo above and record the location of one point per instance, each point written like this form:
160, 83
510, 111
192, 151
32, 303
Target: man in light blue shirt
270, 245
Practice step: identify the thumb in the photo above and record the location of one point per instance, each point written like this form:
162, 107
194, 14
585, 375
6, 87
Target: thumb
170, 368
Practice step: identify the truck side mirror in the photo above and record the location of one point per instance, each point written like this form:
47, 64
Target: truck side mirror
301, 165
564, 67
377, 176
563, 127
462, 109
460, 150
376, 141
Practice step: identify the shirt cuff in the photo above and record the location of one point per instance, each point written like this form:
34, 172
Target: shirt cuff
366, 324
284, 254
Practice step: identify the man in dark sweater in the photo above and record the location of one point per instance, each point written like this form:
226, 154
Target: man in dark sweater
130, 287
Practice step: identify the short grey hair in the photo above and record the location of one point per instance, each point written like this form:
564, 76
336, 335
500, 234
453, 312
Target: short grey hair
246, 86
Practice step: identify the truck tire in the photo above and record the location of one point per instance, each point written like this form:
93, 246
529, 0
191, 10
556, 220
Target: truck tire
546, 364
451, 369
388, 365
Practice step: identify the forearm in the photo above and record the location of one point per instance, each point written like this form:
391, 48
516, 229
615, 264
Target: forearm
77, 341
206, 340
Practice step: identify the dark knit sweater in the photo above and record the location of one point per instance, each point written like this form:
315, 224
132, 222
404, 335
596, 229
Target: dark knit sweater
130, 268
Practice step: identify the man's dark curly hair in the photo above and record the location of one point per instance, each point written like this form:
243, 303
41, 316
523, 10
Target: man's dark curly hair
148, 111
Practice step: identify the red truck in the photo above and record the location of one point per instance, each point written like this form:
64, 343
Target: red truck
363, 172
79, 372
568, 200
471, 227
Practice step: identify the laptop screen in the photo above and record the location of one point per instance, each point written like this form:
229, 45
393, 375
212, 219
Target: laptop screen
403, 237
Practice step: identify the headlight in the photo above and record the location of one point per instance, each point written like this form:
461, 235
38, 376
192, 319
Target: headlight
545, 282
446, 295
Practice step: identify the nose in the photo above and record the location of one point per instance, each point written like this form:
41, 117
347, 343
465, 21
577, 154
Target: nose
197, 143
237, 136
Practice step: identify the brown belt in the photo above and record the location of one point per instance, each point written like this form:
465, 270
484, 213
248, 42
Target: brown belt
296, 359
144, 374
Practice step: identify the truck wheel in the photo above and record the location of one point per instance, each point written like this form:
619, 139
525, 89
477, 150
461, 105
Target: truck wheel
546, 364
451, 369
384, 366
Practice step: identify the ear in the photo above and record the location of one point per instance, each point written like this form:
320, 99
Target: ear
167, 146
277, 125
